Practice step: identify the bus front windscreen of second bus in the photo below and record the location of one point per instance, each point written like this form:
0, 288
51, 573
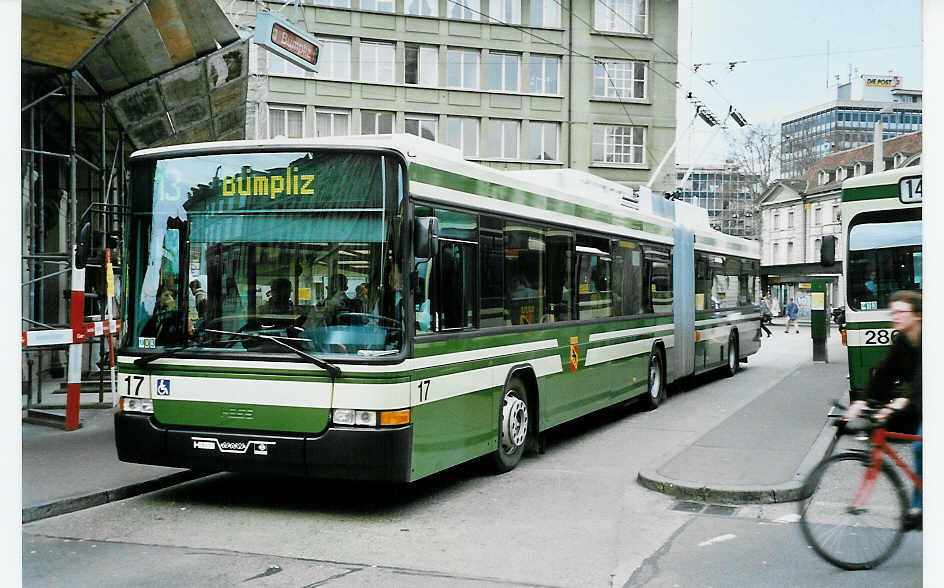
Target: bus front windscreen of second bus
294, 245
883, 258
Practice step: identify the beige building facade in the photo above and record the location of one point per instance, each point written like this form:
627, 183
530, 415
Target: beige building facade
514, 84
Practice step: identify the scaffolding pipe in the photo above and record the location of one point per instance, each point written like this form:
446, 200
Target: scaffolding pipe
49, 153
42, 98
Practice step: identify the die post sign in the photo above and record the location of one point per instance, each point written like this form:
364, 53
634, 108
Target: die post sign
287, 41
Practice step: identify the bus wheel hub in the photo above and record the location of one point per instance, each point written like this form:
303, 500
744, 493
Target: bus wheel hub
514, 423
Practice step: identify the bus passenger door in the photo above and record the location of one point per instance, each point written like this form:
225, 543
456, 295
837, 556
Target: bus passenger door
683, 275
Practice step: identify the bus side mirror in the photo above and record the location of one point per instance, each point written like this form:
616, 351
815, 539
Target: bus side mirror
83, 246
425, 237
828, 251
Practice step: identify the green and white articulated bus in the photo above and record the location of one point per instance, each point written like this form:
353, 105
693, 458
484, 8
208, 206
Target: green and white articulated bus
375, 307
881, 222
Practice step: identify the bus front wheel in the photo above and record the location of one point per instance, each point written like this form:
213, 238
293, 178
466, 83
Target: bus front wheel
513, 426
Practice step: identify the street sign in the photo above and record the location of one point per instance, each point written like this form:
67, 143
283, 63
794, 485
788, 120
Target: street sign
287, 41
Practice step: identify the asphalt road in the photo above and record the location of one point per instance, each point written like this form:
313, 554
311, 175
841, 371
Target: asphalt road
574, 516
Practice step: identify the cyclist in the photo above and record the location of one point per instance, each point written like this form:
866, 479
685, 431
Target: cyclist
902, 364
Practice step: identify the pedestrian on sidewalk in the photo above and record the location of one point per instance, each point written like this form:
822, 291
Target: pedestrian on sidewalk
792, 312
765, 316
774, 308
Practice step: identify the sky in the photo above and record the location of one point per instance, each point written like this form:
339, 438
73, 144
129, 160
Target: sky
783, 47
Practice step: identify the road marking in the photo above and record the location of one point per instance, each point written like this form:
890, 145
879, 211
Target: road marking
718, 539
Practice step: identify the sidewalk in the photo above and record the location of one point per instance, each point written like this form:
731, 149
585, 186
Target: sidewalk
763, 452
65, 471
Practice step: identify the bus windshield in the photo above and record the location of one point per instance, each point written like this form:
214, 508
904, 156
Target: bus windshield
301, 246
883, 258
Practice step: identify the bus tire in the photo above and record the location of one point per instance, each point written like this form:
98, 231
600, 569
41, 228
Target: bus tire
655, 387
513, 423
731, 367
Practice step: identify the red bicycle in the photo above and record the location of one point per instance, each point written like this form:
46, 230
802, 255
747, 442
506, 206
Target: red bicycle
855, 507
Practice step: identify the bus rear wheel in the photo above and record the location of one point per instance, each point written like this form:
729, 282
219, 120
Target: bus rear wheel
656, 385
513, 426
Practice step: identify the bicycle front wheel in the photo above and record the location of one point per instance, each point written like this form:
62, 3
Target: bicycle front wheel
850, 523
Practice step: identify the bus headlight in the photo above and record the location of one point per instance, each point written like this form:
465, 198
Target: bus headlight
132, 404
369, 418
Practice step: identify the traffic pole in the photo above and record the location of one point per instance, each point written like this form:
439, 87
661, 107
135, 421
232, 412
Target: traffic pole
77, 324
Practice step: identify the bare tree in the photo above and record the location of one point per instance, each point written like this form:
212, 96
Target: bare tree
755, 150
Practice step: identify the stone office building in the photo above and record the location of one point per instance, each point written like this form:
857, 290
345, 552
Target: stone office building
514, 84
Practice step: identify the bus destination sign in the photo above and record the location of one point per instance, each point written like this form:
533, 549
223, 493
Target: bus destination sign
286, 40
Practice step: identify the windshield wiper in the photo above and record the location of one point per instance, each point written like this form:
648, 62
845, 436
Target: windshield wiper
146, 359
333, 370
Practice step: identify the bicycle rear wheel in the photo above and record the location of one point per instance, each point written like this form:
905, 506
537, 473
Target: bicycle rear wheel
850, 534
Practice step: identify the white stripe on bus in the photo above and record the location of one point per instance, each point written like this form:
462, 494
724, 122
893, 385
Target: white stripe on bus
624, 350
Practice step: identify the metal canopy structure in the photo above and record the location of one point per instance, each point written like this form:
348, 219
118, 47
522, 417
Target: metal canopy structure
172, 71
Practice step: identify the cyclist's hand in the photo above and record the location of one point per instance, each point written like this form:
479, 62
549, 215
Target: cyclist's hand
854, 409
888, 409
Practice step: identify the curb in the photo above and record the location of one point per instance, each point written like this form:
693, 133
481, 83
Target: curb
67, 505
788, 491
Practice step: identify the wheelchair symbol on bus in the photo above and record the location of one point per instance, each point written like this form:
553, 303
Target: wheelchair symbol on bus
163, 387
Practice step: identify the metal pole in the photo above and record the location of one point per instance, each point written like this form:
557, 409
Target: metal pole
40, 247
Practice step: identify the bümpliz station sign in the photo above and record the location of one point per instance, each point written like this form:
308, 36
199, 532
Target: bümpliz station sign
287, 41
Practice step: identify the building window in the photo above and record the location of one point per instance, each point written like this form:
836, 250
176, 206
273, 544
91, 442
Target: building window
619, 144
503, 138
462, 69
421, 7
421, 126
334, 60
463, 134
543, 73
286, 121
621, 16
619, 78
503, 72
505, 11
545, 13
463, 9
776, 254
542, 142
377, 62
790, 220
790, 252
817, 216
817, 248
333, 3
277, 65
378, 5
777, 221
376, 123
835, 214
332, 123
421, 66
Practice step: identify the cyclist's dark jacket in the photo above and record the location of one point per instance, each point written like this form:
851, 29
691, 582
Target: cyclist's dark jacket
901, 364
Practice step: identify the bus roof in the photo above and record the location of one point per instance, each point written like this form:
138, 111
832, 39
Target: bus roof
600, 200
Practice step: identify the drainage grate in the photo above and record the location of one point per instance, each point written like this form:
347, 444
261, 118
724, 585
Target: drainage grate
717, 509
688, 506
709, 509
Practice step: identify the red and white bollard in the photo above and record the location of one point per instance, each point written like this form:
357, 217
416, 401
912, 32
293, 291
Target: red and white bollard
77, 324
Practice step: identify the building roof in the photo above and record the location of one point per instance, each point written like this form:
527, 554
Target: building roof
907, 144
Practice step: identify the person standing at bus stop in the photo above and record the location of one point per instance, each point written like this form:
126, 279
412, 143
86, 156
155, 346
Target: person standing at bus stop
792, 312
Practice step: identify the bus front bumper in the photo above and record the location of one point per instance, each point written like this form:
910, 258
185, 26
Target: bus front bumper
351, 453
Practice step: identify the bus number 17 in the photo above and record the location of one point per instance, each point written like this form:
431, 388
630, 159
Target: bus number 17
423, 385
137, 388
